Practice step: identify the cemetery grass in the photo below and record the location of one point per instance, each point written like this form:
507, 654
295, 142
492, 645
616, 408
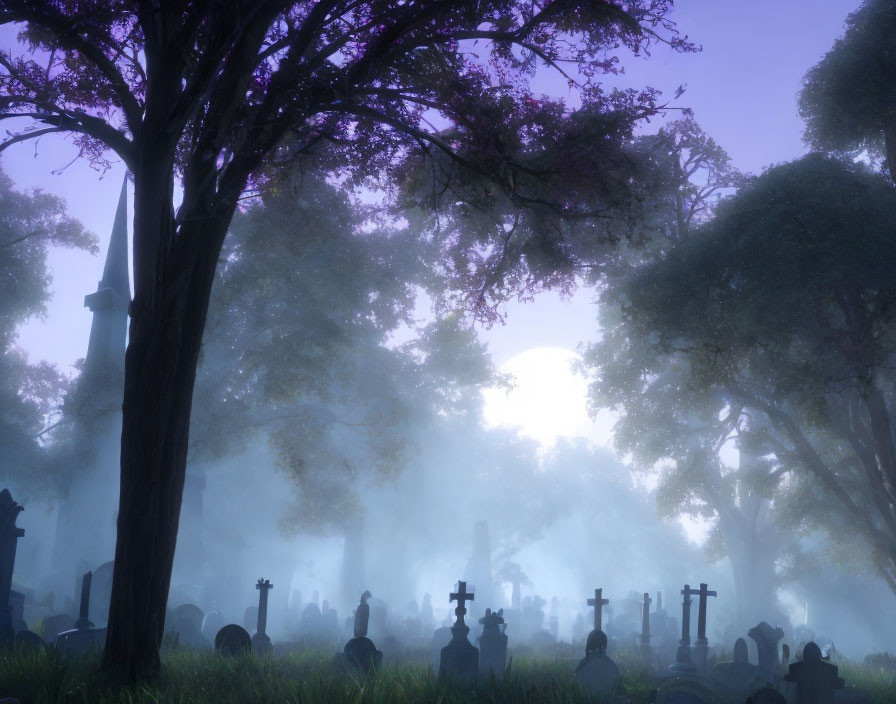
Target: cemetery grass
200, 677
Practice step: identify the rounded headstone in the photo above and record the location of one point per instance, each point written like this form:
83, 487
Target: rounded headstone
188, 614
211, 624
811, 652
56, 624
740, 650
233, 640
360, 652
30, 641
250, 618
767, 695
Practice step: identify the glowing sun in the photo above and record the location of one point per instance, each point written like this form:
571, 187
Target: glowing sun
548, 400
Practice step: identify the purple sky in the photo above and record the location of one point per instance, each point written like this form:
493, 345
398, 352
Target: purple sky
742, 88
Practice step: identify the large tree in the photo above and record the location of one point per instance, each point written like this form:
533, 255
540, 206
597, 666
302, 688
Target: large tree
849, 97
205, 91
782, 305
30, 223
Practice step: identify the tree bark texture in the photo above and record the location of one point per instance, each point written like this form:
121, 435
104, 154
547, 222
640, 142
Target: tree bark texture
174, 267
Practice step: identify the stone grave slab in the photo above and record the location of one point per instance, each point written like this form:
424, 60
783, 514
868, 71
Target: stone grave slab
493, 645
814, 680
233, 640
737, 678
80, 640
684, 690
29, 641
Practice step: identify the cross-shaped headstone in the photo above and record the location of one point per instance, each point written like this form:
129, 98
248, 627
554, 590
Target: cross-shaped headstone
686, 614
263, 587
598, 602
703, 592
461, 596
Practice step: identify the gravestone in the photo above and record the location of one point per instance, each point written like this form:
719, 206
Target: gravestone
261, 642
233, 640
493, 644
684, 665
250, 618
17, 611
101, 592
739, 677
686, 690
9, 537
598, 602
701, 645
644, 645
56, 624
29, 642
767, 695
767, 639
211, 624
440, 638
814, 679
596, 674
459, 659
360, 652
83, 637
186, 621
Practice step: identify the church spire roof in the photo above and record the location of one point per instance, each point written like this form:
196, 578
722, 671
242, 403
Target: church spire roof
115, 273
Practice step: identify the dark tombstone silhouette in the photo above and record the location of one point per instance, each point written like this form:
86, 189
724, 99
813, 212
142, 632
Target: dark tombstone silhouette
440, 638
737, 678
815, 680
9, 537
101, 592
29, 642
767, 695
767, 639
459, 659
596, 674
83, 637
56, 624
261, 642
701, 645
644, 645
684, 665
360, 652
493, 644
233, 640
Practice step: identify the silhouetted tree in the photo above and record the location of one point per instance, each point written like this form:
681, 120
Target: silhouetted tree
206, 90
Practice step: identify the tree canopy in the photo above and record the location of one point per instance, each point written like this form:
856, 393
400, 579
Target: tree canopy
849, 98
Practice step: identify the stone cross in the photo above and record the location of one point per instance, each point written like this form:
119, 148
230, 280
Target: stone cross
701, 612
9, 536
683, 662
598, 602
263, 587
461, 596
362, 616
83, 615
701, 645
645, 621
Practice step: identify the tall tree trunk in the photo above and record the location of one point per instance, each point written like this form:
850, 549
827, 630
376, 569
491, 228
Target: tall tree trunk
173, 280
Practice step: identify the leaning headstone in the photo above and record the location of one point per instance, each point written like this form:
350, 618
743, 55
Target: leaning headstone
360, 652
460, 658
83, 637
101, 592
814, 679
493, 644
261, 642
596, 674
233, 640
767, 639
9, 537
739, 677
